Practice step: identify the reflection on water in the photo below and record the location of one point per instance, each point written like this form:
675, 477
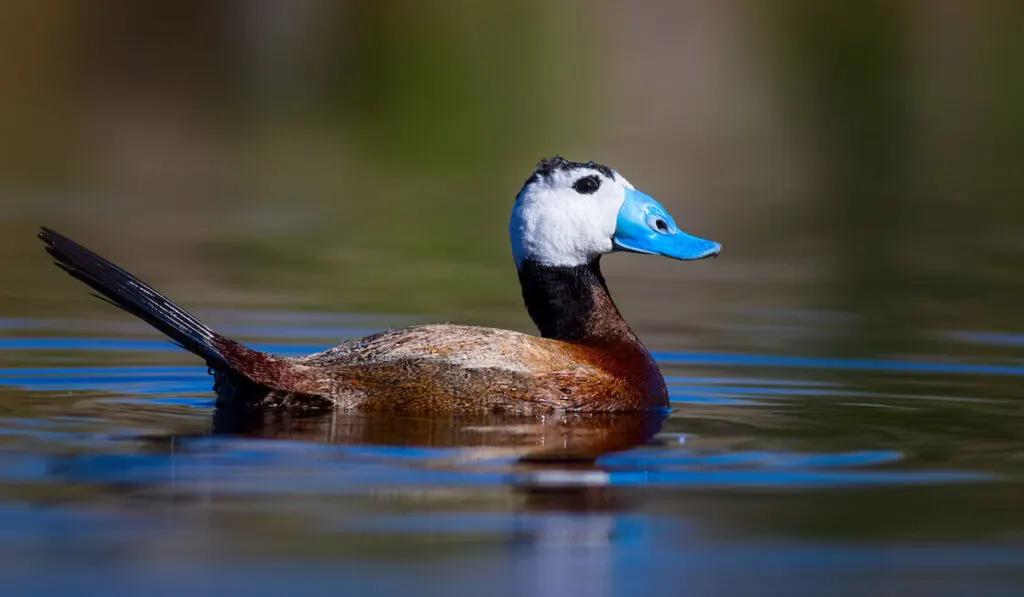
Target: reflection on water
555, 437
772, 470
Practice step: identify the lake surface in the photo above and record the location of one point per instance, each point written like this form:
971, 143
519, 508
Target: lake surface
774, 474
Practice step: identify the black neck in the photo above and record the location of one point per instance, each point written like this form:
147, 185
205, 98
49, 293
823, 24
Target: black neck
572, 303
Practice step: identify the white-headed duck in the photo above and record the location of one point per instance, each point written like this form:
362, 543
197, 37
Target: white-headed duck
587, 359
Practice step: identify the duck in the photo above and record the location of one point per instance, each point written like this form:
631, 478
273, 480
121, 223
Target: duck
587, 359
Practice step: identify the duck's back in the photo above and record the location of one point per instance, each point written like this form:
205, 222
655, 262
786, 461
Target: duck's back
464, 346
459, 368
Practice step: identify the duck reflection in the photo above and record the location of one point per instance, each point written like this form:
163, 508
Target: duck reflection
536, 485
556, 438
569, 518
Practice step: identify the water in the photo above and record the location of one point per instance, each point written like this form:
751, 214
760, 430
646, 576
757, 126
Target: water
774, 474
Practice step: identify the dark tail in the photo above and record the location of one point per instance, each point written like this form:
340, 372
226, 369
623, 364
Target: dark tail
126, 291
237, 361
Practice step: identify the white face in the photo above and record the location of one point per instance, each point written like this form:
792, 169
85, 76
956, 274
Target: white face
561, 220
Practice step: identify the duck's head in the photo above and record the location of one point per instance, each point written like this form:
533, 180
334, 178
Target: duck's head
569, 213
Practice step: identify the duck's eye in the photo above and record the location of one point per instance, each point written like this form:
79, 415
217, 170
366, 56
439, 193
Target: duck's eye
587, 185
661, 225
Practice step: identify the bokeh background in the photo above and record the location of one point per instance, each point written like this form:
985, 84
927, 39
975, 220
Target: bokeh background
860, 161
845, 377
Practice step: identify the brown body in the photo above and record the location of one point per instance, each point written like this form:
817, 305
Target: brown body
453, 368
588, 359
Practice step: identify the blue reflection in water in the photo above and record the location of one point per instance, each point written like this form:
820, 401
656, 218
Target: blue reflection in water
228, 466
595, 552
404, 466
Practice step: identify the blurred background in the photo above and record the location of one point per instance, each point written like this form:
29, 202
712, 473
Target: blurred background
860, 162
846, 376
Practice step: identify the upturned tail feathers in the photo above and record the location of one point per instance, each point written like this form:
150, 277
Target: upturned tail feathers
124, 290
